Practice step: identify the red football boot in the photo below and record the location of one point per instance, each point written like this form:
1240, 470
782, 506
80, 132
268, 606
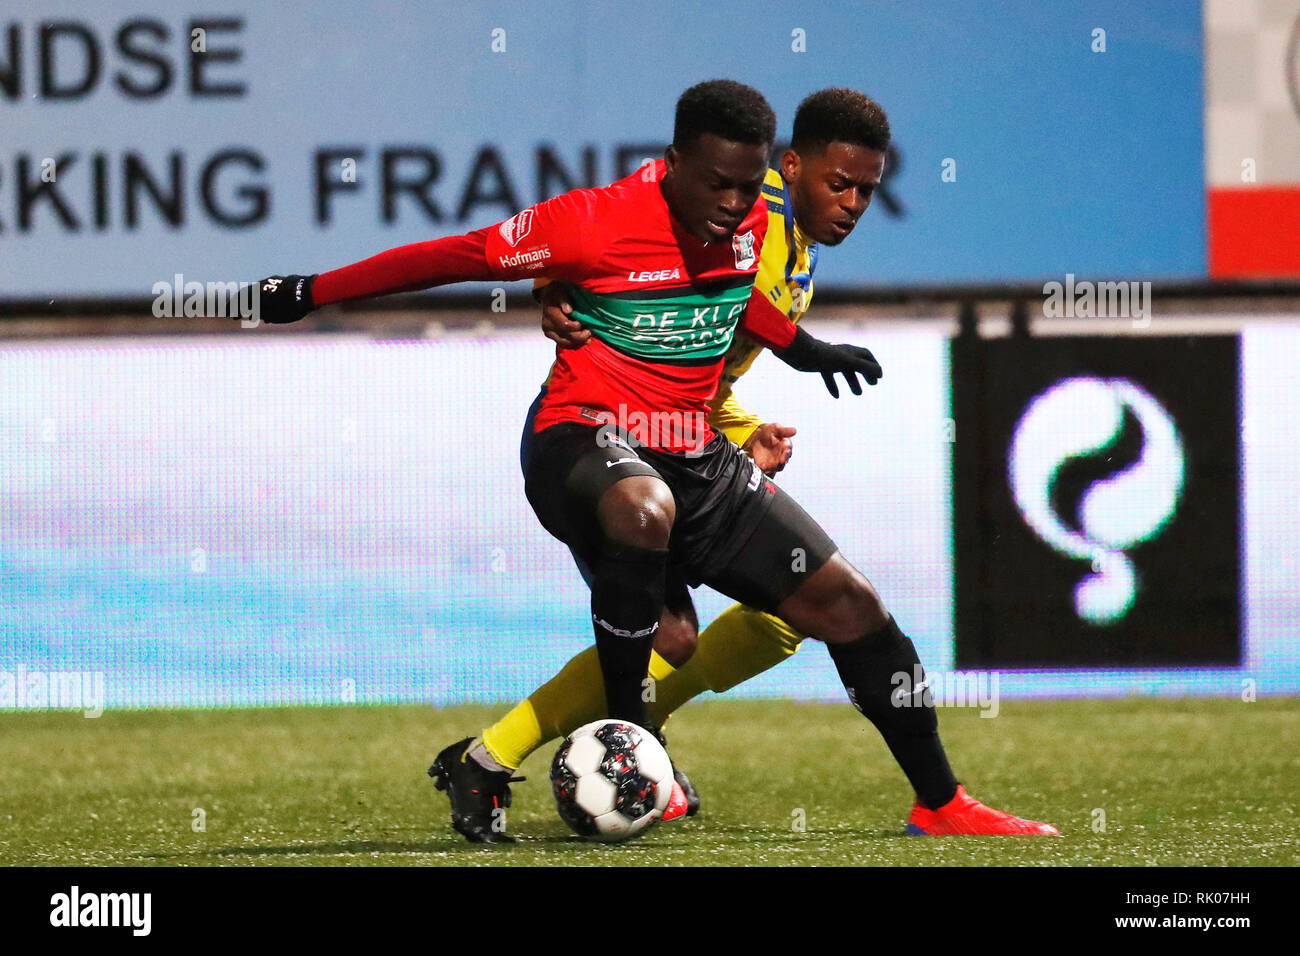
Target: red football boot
685, 799
963, 815
677, 804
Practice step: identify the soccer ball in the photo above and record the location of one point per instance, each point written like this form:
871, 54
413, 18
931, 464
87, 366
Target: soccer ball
612, 780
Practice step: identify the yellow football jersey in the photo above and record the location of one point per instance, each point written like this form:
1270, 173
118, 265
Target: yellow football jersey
785, 268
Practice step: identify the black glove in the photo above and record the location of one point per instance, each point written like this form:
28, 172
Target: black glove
808, 354
284, 298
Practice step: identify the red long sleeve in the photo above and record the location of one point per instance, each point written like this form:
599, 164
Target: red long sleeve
764, 322
419, 265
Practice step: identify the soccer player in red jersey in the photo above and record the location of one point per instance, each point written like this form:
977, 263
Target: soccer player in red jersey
620, 461
815, 197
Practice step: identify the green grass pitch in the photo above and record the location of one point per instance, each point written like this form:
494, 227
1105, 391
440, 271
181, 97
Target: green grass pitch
1180, 782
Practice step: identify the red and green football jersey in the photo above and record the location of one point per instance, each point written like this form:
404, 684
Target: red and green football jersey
663, 306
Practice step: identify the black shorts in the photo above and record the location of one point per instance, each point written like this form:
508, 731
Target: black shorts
735, 530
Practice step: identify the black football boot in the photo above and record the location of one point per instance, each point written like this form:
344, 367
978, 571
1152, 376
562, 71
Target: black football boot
478, 796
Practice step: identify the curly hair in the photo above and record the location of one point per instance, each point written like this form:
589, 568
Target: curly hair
839, 115
726, 109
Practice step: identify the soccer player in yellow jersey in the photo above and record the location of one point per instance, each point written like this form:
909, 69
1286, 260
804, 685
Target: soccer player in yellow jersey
823, 186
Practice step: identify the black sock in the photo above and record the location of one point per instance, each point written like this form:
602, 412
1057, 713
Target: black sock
867, 669
627, 599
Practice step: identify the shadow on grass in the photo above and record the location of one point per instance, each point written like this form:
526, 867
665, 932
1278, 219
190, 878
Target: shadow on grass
679, 838
344, 848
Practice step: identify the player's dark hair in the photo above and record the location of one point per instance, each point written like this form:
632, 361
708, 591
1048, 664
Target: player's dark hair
839, 115
725, 108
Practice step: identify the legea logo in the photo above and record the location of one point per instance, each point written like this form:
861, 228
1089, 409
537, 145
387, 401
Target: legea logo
1082, 417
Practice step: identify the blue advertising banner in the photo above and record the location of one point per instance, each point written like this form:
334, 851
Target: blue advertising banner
232, 141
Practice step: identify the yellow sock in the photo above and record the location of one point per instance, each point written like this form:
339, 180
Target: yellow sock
741, 643
659, 671
573, 697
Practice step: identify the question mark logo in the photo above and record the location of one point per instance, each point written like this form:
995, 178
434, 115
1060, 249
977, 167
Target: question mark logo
1082, 417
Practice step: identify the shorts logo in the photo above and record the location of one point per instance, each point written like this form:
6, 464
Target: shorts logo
516, 227
742, 244
607, 436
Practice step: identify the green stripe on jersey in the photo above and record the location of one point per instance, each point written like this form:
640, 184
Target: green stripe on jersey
664, 328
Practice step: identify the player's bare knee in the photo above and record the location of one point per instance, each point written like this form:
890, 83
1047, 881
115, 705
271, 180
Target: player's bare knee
868, 611
838, 604
855, 611
638, 511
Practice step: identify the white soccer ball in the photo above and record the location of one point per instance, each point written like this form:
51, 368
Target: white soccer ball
612, 780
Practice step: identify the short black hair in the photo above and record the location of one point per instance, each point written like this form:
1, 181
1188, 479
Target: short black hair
839, 115
726, 109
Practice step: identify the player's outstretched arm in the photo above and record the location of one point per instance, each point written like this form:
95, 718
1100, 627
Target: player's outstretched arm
420, 265
794, 346
808, 354
545, 240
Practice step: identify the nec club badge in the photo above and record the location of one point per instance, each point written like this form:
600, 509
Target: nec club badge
742, 244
